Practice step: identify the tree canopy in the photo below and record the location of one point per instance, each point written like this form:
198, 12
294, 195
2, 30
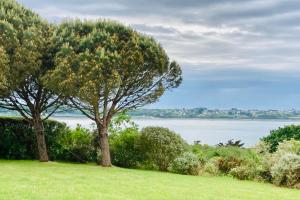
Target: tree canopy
104, 68
26, 54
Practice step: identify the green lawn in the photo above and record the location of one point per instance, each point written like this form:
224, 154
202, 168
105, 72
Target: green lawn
60, 181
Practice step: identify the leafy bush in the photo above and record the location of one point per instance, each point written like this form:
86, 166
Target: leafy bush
289, 146
281, 134
211, 168
227, 158
123, 148
188, 163
17, 141
224, 159
124, 151
277, 171
247, 172
202, 151
285, 147
76, 145
160, 146
17, 138
123, 138
262, 148
225, 164
287, 170
239, 153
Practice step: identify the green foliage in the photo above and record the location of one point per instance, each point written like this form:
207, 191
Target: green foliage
288, 146
188, 163
204, 152
102, 57
76, 145
24, 46
227, 152
26, 54
262, 148
285, 147
211, 167
97, 59
281, 134
208, 152
120, 122
225, 164
232, 157
229, 160
249, 171
105, 68
278, 165
17, 139
160, 146
123, 148
286, 170
123, 137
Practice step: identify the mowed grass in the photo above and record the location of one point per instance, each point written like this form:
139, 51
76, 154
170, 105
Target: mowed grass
62, 181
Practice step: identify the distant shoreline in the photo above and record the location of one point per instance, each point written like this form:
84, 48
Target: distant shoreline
185, 118
172, 118
167, 117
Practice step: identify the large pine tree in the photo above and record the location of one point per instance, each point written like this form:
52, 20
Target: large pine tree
105, 68
26, 54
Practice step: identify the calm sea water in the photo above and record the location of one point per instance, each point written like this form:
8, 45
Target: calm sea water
207, 131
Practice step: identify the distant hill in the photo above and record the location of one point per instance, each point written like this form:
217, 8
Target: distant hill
204, 113
200, 113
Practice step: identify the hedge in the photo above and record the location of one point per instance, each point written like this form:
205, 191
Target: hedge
17, 138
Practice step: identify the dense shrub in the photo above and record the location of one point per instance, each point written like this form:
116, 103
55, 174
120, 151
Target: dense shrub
285, 147
123, 148
17, 138
281, 167
227, 158
160, 146
123, 137
188, 163
281, 134
271, 169
262, 148
247, 172
288, 146
241, 163
225, 164
234, 152
17, 141
287, 170
202, 151
211, 168
76, 145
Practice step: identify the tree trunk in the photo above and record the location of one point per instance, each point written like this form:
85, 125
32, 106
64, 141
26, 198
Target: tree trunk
40, 137
104, 146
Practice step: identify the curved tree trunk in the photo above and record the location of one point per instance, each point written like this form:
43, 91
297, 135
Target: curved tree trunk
40, 137
104, 146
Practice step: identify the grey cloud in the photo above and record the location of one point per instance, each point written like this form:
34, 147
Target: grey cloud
217, 33
234, 53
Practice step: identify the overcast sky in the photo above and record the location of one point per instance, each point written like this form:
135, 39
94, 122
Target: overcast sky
234, 53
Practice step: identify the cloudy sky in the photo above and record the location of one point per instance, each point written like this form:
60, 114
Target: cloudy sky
234, 53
